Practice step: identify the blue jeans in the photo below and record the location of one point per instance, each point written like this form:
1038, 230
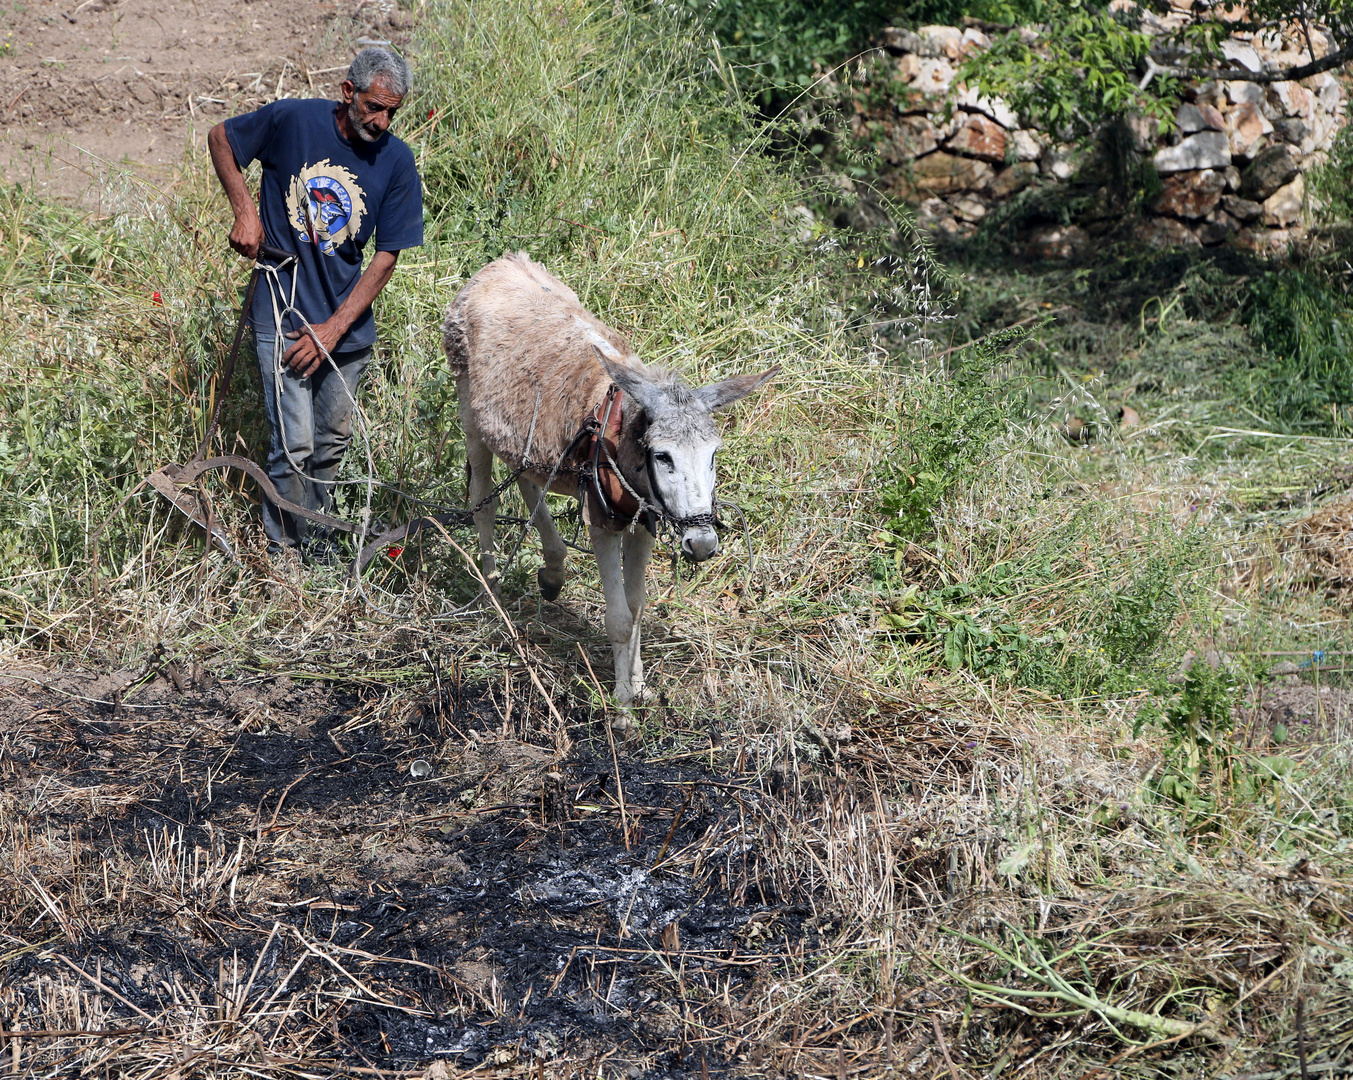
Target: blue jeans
310, 422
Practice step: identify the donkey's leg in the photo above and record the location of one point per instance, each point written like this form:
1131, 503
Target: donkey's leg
620, 620
479, 459
637, 547
550, 577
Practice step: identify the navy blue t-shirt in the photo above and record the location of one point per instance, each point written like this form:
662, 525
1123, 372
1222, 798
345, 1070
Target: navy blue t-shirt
321, 198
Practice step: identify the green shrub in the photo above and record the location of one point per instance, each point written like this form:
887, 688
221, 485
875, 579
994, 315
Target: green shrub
782, 46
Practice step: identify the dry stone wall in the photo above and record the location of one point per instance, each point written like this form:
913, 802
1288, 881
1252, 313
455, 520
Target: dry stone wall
1232, 172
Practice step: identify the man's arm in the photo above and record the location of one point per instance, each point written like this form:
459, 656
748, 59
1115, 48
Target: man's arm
305, 357
247, 234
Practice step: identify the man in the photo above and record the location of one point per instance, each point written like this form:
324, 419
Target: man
332, 177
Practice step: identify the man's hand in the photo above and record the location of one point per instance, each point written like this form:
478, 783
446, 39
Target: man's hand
247, 235
305, 357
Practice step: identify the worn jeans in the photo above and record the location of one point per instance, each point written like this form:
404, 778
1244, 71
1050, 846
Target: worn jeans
310, 422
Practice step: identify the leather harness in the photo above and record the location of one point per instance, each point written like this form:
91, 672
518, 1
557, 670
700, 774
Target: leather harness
610, 502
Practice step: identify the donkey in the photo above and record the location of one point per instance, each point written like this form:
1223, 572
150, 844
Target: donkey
555, 393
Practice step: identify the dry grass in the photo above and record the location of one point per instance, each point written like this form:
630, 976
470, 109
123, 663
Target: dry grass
1321, 545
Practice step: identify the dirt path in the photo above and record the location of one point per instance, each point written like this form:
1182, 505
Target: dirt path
89, 83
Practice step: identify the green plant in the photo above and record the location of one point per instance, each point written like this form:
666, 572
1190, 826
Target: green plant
1197, 717
947, 431
781, 46
1079, 73
1328, 183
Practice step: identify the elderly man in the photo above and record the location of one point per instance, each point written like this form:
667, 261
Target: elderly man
332, 178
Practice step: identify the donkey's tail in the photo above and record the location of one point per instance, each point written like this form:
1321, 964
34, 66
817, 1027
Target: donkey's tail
455, 343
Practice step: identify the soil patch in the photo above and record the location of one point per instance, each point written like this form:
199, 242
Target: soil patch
258, 873
135, 83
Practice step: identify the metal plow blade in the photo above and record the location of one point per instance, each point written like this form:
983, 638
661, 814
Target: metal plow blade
191, 504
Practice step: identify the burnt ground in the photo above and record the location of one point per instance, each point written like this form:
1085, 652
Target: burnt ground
251, 870
89, 84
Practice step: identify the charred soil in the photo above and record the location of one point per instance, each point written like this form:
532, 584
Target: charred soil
256, 872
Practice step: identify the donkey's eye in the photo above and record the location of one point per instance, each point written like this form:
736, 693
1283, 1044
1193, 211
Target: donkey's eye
662, 457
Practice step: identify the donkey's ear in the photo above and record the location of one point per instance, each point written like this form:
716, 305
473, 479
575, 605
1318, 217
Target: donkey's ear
634, 383
717, 395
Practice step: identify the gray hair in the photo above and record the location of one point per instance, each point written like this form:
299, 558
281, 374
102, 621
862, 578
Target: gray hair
390, 68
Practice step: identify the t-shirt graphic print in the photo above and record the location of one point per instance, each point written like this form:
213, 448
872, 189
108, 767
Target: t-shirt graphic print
325, 205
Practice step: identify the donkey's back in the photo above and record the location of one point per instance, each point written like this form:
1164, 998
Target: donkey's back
522, 344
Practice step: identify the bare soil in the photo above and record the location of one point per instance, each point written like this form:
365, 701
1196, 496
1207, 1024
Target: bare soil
90, 88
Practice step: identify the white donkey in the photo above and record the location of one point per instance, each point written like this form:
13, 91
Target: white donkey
555, 392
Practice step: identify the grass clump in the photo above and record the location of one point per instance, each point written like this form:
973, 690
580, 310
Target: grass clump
1304, 324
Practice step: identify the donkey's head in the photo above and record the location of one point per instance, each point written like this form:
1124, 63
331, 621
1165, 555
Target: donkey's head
678, 441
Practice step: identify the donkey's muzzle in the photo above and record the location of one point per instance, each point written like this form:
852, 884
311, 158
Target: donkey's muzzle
700, 543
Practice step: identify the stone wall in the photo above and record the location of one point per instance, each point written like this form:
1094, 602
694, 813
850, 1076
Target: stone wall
1231, 173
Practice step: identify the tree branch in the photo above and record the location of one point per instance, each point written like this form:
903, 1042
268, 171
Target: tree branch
1335, 59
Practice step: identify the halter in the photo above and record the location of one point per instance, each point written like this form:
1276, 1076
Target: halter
602, 486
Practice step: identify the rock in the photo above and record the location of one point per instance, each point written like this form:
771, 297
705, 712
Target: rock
969, 208
1190, 194
1191, 118
909, 137
1241, 209
1241, 92
1329, 92
940, 173
995, 108
1294, 98
1129, 418
1212, 117
934, 215
1290, 130
1014, 179
1283, 207
898, 41
1232, 175
1242, 54
1143, 131
1211, 93
1057, 163
1057, 241
980, 137
1262, 241
1205, 150
907, 67
972, 41
934, 76
1027, 146
1166, 232
1270, 170
1215, 228
1246, 127
936, 41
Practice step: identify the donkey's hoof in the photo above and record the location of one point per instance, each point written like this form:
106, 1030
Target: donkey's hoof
622, 724
551, 584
